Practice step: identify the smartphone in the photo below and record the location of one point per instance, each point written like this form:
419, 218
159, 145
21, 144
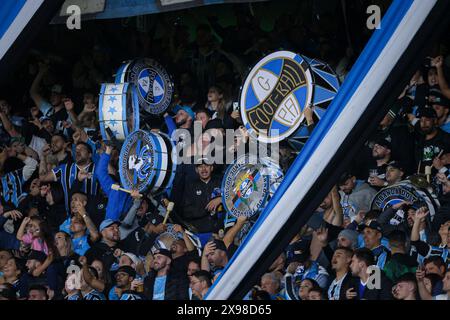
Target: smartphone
235, 106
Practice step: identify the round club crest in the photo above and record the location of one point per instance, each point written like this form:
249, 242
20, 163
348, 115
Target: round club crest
245, 187
155, 87
137, 161
274, 95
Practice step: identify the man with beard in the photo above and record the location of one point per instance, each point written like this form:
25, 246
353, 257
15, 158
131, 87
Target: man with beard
76, 176
58, 148
355, 195
163, 283
382, 155
441, 105
431, 141
198, 204
104, 249
363, 259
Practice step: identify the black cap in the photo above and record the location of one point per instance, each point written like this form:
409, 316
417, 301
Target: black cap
300, 251
437, 98
37, 255
396, 165
164, 252
344, 177
372, 225
128, 270
202, 160
384, 143
427, 112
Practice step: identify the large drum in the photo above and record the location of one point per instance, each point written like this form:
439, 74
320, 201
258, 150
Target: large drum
248, 184
277, 90
405, 191
119, 111
153, 83
147, 162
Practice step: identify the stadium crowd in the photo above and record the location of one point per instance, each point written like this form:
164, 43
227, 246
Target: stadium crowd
66, 233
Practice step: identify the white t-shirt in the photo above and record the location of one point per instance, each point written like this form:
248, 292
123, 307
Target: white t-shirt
444, 296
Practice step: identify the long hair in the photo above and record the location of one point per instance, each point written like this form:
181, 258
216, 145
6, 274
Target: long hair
46, 235
221, 106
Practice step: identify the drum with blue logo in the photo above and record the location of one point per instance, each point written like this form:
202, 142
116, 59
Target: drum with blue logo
276, 92
118, 111
406, 191
248, 184
153, 83
147, 162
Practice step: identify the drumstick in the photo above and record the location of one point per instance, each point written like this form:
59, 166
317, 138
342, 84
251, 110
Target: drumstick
428, 173
418, 168
118, 188
168, 211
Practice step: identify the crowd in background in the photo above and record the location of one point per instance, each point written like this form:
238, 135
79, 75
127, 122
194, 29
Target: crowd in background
59, 211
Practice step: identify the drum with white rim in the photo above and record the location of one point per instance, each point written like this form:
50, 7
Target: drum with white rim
118, 111
278, 89
406, 191
153, 83
248, 184
147, 162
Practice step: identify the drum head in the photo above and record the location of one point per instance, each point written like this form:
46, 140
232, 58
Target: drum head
137, 161
153, 83
404, 191
245, 187
274, 95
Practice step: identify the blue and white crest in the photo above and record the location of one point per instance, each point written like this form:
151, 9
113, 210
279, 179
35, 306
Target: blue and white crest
155, 87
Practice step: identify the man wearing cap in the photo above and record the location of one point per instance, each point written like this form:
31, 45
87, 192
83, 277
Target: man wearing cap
110, 241
355, 195
184, 118
200, 201
124, 278
372, 234
162, 283
395, 173
37, 264
55, 107
441, 105
382, 154
431, 140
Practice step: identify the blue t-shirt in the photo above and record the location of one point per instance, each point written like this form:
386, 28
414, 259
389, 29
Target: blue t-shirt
159, 288
81, 244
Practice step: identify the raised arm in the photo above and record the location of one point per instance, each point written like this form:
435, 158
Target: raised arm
101, 171
233, 231
443, 85
34, 90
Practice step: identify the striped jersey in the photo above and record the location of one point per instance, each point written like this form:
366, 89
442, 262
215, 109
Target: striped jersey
11, 186
94, 295
67, 174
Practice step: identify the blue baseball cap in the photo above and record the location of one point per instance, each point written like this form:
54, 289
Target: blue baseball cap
187, 109
107, 223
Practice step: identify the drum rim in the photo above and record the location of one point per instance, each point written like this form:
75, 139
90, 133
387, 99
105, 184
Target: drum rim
247, 82
124, 181
126, 89
122, 76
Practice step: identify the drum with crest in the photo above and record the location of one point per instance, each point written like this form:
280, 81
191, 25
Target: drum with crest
406, 191
118, 111
248, 184
153, 83
147, 162
278, 89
